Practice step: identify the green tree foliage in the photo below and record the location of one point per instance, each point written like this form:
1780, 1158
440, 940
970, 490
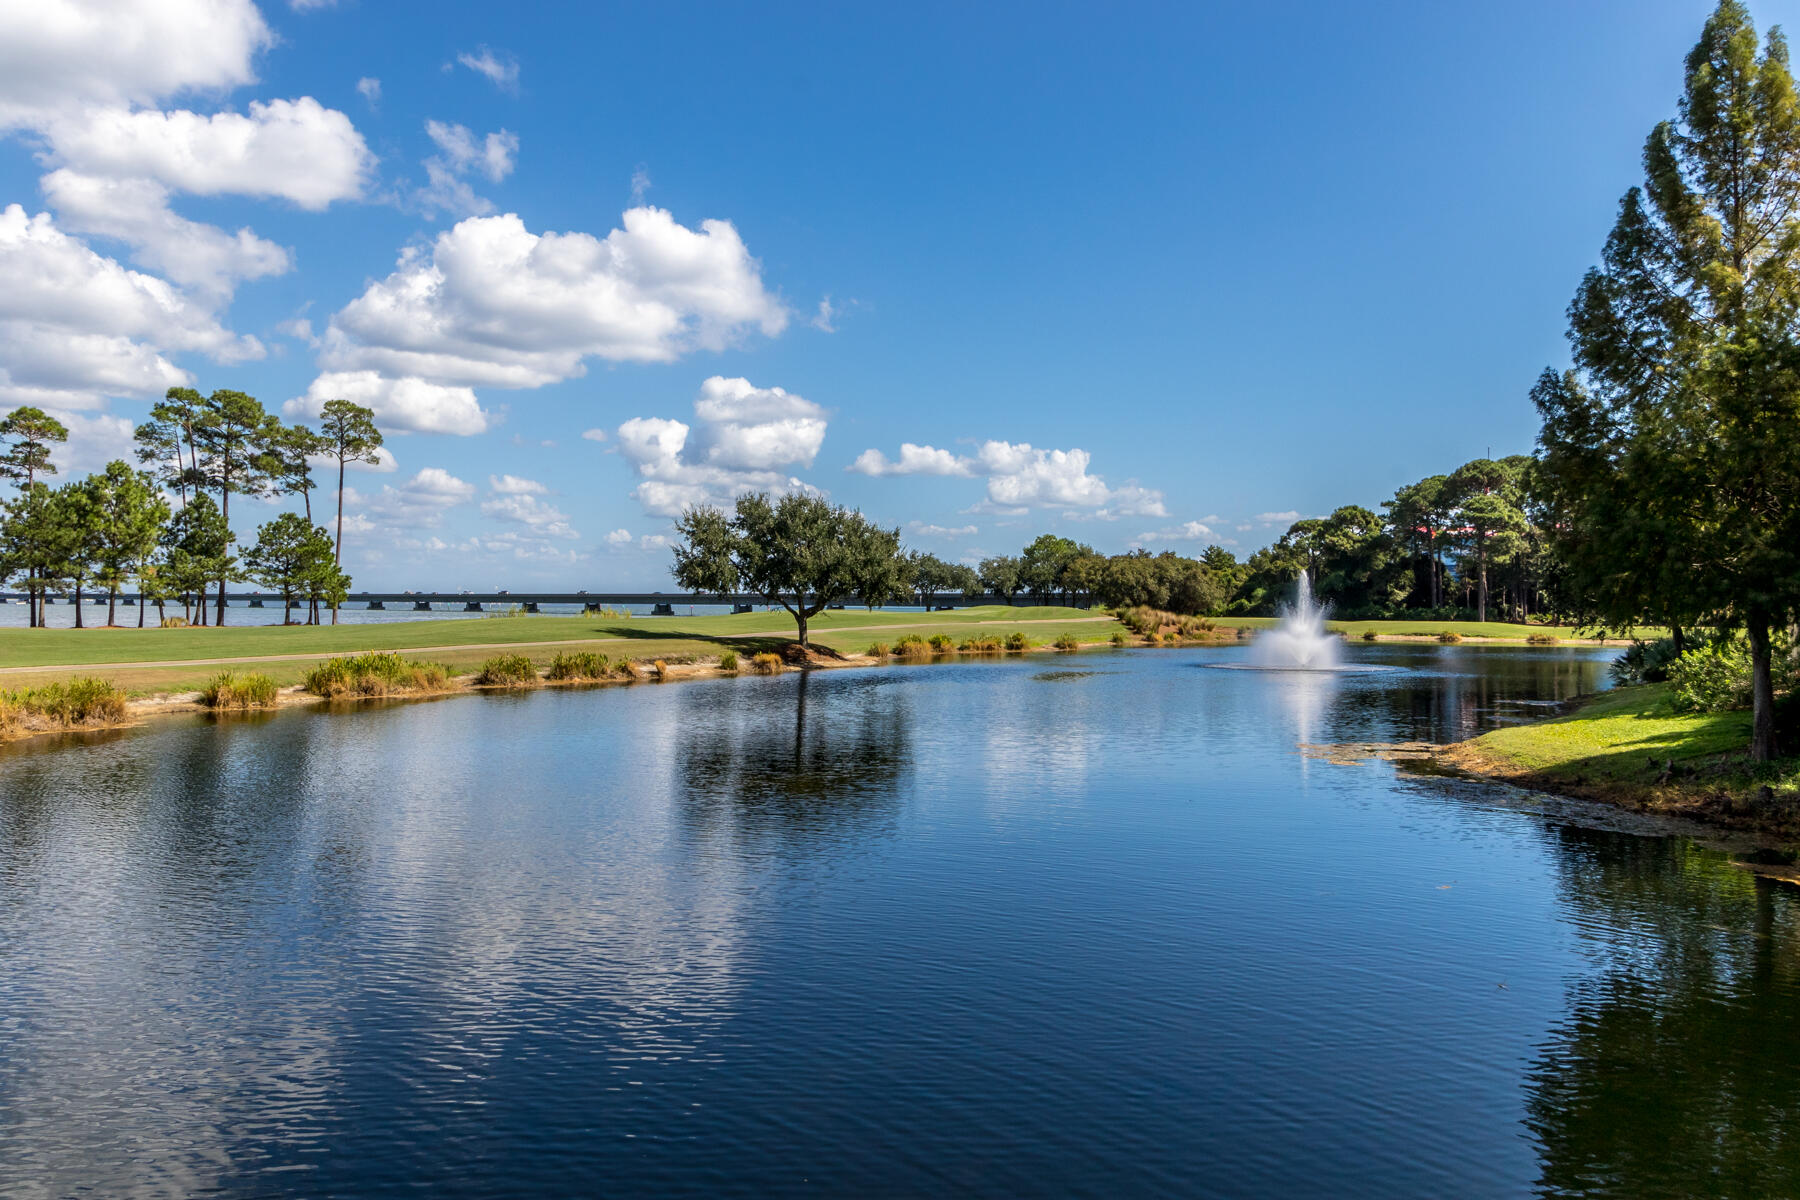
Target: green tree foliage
1671, 454
1002, 575
26, 436
231, 436
166, 441
196, 550
129, 513
1041, 565
292, 556
349, 435
800, 552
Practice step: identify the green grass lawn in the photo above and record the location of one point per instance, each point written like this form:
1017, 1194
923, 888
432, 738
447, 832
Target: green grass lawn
462, 644
1624, 738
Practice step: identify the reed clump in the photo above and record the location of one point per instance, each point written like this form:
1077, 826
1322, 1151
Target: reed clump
912, 646
229, 690
728, 661
660, 669
942, 643
1119, 639
980, 644
507, 670
173, 623
877, 650
375, 674
1067, 642
767, 662
579, 665
1449, 637
1017, 642
1369, 635
1542, 639
64, 704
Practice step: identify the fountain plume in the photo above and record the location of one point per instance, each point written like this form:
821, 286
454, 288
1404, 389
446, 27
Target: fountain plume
1299, 642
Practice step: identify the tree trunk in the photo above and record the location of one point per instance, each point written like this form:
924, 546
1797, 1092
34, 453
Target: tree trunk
1762, 690
225, 518
78, 623
112, 605
800, 618
31, 621
1680, 640
143, 603
1481, 595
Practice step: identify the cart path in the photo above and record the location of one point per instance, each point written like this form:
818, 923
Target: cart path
230, 660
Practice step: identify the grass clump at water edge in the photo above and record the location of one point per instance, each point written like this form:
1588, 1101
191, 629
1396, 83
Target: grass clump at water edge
83, 701
229, 690
1067, 643
728, 661
581, 665
768, 663
507, 670
375, 674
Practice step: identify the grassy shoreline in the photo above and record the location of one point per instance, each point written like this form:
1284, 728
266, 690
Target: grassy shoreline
1630, 748
146, 661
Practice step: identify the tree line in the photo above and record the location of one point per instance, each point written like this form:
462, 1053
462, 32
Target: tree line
165, 525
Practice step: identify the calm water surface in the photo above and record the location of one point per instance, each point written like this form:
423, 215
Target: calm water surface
1083, 925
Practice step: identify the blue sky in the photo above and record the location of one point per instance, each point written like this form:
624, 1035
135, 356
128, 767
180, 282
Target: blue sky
1137, 274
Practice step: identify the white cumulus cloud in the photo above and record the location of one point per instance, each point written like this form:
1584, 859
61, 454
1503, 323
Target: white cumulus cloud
744, 439
59, 55
1021, 477
512, 485
407, 403
419, 503
913, 460
76, 327
501, 69
491, 303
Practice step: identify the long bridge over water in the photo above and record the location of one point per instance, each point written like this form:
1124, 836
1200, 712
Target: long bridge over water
660, 603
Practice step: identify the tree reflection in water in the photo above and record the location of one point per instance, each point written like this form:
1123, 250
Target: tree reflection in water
1673, 1074
765, 770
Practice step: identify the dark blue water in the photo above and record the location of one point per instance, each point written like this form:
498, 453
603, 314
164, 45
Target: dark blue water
1073, 925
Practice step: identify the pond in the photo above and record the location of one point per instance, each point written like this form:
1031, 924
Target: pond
1064, 925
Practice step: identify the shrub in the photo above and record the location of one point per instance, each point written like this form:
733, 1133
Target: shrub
375, 674
76, 702
767, 662
174, 622
980, 644
627, 670
1119, 639
1067, 642
1017, 641
581, 665
1369, 635
912, 646
507, 670
728, 661
1648, 662
1712, 678
877, 650
1449, 637
941, 643
229, 690
660, 669
1541, 639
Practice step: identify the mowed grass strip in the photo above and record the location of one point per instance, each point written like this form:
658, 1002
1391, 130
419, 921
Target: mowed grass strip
277, 651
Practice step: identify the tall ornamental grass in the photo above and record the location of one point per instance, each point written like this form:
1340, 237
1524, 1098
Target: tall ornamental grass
507, 670
375, 674
229, 690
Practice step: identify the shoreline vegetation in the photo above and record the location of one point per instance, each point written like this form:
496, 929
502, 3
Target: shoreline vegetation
252, 668
1631, 748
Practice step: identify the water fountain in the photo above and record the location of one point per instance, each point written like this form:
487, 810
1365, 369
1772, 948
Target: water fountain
1299, 642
